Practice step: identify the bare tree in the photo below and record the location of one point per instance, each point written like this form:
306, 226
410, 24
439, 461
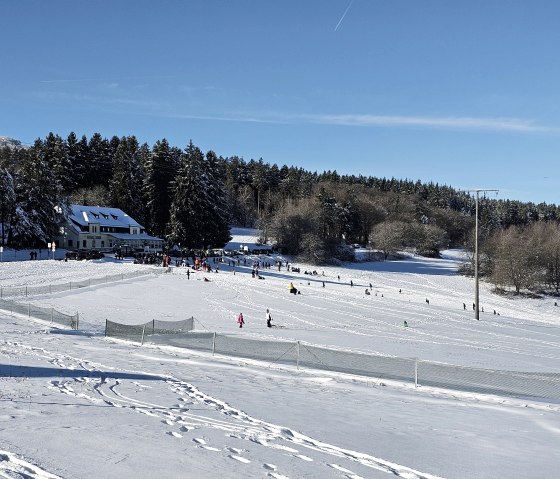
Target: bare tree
388, 237
547, 237
516, 261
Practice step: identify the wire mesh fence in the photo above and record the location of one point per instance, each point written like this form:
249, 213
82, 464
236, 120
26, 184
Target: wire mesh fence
180, 334
46, 314
138, 332
418, 372
23, 291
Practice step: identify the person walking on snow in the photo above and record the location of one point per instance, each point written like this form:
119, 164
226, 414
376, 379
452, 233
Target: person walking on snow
240, 320
268, 319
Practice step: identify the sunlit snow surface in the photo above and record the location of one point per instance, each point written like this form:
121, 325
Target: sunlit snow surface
76, 405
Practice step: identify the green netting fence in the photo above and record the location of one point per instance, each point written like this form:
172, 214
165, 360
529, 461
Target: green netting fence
139, 332
31, 290
415, 371
46, 314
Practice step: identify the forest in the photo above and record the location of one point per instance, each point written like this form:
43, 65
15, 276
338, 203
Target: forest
190, 198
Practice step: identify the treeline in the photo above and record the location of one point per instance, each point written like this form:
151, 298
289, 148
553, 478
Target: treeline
190, 198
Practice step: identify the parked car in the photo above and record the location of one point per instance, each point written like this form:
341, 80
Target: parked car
94, 254
71, 255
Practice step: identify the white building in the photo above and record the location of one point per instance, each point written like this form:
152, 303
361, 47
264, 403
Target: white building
105, 229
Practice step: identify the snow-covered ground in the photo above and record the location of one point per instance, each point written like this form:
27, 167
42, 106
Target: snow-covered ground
77, 405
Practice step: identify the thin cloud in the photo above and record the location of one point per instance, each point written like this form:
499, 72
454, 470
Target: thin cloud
110, 80
514, 125
165, 109
464, 123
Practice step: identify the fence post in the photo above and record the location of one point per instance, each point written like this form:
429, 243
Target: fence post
143, 330
213, 344
26, 291
297, 359
416, 373
77, 320
29, 309
105, 327
1, 296
70, 285
52, 315
90, 282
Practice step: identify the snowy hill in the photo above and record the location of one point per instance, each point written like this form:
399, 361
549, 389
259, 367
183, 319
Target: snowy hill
178, 413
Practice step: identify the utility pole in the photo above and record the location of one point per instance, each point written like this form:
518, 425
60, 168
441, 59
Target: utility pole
476, 296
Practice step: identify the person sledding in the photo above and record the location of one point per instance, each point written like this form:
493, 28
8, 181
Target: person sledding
292, 289
268, 319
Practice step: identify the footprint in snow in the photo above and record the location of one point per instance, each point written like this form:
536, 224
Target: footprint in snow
305, 458
186, 429
199, 440
348, 472
235, 450
277, 476
257, 440
210, 448
270, 467
144, 411
174, 434
284, 448
239, 458
168, 422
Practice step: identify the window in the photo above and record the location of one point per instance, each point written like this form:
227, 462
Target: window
84, 244
70, 243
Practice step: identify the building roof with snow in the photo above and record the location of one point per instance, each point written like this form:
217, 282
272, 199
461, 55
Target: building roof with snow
103, 216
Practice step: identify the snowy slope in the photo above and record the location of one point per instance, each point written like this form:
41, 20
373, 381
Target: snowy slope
76, 405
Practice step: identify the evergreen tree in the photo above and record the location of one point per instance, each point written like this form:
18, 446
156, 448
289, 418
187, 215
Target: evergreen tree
99, 164
218, 213
81, 161
125, 187
199, 211
41, 208
7, 202
55, 153
160, 170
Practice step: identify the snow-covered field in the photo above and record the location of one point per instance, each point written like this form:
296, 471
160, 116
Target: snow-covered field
77, 405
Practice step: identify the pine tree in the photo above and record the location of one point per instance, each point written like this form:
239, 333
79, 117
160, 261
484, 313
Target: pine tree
41, 208
55, 153
218, 215
160, 170
125, 187
199, 210
7, 202
99, 165
80, 158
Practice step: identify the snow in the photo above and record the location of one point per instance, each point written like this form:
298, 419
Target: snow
78, 405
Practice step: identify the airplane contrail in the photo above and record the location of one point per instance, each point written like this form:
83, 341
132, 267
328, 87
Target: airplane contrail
343, 15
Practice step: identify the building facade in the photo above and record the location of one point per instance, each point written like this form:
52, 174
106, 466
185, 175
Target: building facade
105, 229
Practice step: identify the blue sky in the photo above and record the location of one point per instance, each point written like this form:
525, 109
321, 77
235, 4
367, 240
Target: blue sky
459, 93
